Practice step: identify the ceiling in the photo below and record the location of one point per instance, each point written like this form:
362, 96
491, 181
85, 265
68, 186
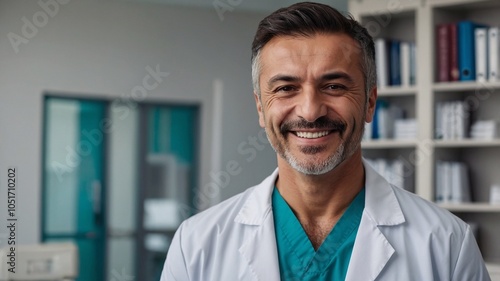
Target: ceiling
261, 6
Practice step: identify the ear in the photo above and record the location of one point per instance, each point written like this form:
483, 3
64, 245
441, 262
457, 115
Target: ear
259, 110
372, 100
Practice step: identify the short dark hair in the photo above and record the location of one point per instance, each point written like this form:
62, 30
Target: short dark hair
307, 19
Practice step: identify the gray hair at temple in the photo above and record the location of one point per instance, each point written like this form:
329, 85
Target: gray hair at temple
307, 19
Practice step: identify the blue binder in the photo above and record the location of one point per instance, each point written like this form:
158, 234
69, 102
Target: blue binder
395, 64
466, 50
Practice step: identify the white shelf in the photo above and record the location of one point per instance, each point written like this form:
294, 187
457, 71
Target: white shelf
387, 144
464, 4
370, 8
471, 207
464, 86
396, 91
466, 143
417, 22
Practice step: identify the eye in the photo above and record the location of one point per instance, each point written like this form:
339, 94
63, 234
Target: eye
335, 87
286, 88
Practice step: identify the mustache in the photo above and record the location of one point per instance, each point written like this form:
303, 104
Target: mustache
323, 123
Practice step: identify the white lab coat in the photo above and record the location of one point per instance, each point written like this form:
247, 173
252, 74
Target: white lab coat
401, 237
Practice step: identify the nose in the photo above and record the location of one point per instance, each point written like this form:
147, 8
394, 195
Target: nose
311, 106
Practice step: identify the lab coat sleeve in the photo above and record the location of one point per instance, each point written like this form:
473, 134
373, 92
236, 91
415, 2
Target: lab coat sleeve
175, 268
470, 264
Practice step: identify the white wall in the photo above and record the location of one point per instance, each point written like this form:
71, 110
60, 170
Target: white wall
101, 48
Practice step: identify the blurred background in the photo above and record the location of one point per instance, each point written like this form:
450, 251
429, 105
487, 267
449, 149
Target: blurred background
122, 118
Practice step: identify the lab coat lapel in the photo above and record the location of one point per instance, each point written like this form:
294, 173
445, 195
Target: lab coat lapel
372, 250
259, 248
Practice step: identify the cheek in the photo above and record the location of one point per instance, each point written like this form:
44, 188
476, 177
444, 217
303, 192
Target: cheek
277, 113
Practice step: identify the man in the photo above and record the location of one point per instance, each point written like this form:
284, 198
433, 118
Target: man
324, 214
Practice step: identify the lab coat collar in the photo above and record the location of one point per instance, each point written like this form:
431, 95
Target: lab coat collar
258, 203
378, 193
381, 204
371, 250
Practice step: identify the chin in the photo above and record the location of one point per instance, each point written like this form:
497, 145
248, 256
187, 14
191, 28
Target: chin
316, 167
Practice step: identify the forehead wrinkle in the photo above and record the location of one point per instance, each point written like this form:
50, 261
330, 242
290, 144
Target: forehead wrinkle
284, 56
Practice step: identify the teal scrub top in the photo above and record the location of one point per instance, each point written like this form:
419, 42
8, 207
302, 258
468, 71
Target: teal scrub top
297, 258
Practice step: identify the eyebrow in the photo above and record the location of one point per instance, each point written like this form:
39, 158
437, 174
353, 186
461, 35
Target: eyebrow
282, 77
325, 77
337, 75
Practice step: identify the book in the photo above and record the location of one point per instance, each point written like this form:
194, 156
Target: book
454, 70
494, 53
439, 190
481, 46
452, 120
443, 52
438, 134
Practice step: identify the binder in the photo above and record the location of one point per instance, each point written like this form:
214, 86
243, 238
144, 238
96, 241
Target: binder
405, 64
466, 50
456, 185
494, 53
395, 64
481, 45
413, 64
382, 62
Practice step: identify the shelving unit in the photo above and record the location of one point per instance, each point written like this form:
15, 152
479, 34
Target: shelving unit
416, 21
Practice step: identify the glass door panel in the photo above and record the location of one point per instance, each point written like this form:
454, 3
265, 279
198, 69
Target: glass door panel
73, 172
123, 155
170, 178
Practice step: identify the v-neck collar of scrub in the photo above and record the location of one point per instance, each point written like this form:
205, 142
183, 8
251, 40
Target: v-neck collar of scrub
293, 238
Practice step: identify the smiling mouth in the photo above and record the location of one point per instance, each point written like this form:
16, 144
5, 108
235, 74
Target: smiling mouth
311, 135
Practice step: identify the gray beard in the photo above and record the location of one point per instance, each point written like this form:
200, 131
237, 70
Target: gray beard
313, 168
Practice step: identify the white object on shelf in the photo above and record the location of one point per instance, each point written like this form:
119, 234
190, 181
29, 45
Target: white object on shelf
162, 214
452, 182
495, 194
43, 262
405, 129
494, 271
486, 130
157, 243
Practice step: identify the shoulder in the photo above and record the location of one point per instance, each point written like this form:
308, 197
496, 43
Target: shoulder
222, 213
428, 218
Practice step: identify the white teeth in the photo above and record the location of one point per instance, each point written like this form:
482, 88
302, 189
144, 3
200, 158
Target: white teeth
312, 135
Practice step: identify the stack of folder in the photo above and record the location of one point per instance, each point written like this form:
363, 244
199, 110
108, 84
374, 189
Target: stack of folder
467, 51
452, 182
398, 172
396, 63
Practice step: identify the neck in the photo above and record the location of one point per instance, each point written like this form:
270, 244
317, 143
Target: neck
320, 199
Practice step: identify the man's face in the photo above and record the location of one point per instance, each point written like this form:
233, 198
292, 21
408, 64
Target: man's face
313, 103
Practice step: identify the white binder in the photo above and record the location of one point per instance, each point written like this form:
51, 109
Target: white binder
494, 53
